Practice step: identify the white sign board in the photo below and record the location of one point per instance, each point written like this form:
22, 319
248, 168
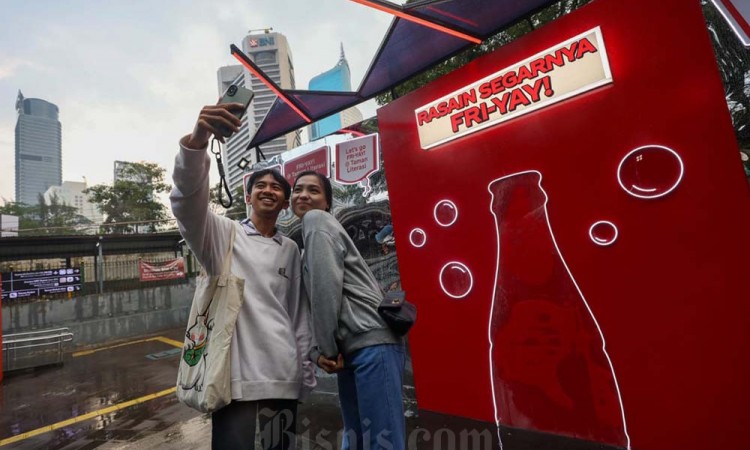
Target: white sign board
553, 75
356, 160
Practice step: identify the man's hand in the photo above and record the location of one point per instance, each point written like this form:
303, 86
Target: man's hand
331, 365
216, 120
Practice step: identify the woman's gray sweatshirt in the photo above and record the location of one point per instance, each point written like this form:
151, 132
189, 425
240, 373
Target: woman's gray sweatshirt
344, 294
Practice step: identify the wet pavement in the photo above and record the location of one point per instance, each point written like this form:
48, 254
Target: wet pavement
121, 396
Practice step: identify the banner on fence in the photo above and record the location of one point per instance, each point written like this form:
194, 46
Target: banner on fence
166, 270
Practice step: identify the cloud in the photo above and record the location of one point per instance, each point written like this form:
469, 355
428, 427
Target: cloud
129, 78
9, 67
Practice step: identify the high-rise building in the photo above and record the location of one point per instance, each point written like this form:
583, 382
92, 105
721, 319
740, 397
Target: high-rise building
38, 148
71, 194
271, 52
338, 78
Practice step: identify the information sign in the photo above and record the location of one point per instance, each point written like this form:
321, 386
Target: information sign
36, 283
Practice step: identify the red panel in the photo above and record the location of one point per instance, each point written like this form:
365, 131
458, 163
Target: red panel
1, 331
668, 297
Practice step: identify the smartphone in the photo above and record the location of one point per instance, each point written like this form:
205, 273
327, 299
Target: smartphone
236, 94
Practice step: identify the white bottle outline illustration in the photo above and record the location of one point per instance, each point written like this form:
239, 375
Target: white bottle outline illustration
578, 289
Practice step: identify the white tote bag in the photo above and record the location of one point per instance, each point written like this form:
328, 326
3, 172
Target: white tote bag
204, 375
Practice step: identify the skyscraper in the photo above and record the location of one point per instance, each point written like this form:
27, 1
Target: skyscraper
336, 79
38, 148
271, 52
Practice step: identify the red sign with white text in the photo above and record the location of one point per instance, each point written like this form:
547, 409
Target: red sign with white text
167, 270
317, 160
583, 263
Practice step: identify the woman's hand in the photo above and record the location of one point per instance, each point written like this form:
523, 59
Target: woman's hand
331, 365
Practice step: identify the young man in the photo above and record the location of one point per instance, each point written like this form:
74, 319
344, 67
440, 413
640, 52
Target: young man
352, 339
272, 335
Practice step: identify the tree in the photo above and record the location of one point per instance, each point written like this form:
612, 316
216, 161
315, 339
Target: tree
58, 218
131, 204
55, 218
27, 217
237, 211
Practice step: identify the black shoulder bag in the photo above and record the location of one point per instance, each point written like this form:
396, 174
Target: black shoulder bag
399, 314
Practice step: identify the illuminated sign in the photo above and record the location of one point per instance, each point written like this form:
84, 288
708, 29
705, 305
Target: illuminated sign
317, 160
261, 42
558, 73
40, 282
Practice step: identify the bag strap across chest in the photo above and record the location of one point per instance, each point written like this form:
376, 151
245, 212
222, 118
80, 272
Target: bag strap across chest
226, 267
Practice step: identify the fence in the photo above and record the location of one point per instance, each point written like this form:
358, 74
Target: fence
112, 274
35, 348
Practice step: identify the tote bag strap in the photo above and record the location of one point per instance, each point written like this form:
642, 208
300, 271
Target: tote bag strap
227, 265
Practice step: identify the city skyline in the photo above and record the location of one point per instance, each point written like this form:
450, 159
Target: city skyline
129, 79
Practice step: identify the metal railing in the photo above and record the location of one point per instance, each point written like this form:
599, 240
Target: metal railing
34, 348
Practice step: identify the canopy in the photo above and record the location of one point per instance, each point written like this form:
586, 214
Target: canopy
422, 34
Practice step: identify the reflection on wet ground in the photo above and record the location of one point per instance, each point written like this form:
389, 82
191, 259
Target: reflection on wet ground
80, 397
122, 397
73, 406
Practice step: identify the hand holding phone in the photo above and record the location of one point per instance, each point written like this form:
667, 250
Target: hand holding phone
236, 94
222, 119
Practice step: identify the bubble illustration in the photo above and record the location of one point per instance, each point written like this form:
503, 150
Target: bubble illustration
603, 233
456, 279
446, 213
418, 237
651, 171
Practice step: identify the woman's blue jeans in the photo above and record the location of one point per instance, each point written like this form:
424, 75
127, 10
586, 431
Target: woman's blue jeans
371, 401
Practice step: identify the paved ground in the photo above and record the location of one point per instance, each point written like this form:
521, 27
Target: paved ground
121, 396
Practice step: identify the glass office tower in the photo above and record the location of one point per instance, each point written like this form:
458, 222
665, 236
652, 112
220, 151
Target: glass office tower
38, 148
339, 79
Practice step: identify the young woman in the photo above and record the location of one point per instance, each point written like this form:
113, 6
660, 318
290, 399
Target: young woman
350, 337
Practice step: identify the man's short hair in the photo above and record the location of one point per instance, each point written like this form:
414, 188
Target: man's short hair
276, 176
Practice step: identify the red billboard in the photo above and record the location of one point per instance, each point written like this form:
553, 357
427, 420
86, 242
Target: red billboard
581, 257
165, 270
317, 160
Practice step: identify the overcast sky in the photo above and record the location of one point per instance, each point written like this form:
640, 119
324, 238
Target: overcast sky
129, 76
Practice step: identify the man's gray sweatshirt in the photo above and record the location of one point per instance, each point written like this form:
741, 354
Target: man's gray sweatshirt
344, 294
